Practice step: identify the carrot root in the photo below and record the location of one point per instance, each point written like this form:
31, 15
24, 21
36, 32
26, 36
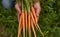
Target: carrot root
26, 21
35, 20
29, 25
23, 23
33, 29
32, 25
39, 29
34, 14
20, 26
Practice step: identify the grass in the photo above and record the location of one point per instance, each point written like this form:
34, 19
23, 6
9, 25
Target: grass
49, 20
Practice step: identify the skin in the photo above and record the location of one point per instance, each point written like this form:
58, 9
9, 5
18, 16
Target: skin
36, 6
18, 8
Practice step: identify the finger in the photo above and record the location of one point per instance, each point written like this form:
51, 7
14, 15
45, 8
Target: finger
37, 8
18, 8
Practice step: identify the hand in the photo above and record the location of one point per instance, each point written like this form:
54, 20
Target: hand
18, 8
37, 8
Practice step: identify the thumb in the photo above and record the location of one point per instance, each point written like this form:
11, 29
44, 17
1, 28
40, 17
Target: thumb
37, 8
18, 8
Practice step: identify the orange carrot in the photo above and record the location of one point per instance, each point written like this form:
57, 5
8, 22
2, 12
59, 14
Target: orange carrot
26, 21
29, 30
34, 14
32, 25
36, 25
39, 29
26, 18
20, 25
23, 23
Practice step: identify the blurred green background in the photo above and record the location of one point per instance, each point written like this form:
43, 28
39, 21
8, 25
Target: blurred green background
49, 20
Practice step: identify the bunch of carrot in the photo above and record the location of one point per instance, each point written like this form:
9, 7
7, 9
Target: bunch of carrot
28, 20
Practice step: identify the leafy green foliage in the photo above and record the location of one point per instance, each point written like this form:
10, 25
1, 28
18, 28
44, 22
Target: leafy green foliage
49, 20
